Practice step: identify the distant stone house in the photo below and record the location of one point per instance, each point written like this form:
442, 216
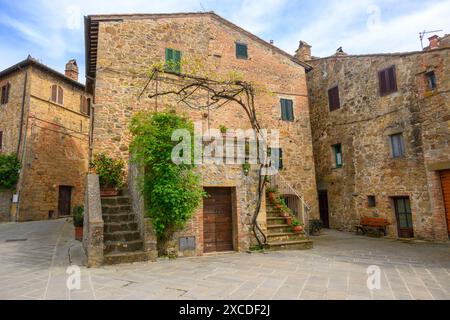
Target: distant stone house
120, 51
44, 120
381, 138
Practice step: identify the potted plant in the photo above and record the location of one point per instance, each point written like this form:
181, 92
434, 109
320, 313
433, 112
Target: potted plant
315, 226
272, 194
223, 129
289, 220
78, 222
246, 167
296, 226
111, 174
280, 204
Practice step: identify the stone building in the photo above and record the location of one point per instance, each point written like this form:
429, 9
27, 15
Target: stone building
120, 51
381, 135
44, 120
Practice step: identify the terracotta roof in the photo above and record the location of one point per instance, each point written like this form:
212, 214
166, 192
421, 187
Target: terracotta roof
92, 28
29, 61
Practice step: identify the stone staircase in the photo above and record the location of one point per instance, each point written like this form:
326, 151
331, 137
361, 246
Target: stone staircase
280, 235
122, 240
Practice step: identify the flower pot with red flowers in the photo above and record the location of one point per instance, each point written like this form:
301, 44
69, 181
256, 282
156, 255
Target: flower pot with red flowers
289, 220
78, 222
272, 194
297, 227
111, 174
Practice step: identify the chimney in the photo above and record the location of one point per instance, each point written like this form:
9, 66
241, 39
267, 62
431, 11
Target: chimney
72, 69
303, 52
434, 42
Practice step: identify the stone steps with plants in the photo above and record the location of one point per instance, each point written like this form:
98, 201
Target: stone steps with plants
122, 240
280, 226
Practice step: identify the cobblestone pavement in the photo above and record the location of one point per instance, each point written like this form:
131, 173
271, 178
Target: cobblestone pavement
34, 257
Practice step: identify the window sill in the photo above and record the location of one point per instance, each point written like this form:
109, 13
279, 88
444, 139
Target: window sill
242, 58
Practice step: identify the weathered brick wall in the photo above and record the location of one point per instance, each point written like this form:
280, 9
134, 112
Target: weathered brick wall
363, 125
126, 51
57, 148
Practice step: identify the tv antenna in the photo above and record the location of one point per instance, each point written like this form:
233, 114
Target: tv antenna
422, 35
203, 8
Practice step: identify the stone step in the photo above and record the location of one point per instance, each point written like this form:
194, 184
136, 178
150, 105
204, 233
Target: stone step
120, 226
123, 246
114, 201
116, 209
275, 220
290, 245
278, 228
285, 237
120, 217
123, 236
127, 257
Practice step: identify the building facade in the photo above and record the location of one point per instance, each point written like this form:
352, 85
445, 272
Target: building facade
121, 49
381, 135
44, 120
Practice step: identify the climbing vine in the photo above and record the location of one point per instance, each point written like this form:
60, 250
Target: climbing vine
172, 192
9, 171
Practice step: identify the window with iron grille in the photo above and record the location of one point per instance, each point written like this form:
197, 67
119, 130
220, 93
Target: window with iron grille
241, 51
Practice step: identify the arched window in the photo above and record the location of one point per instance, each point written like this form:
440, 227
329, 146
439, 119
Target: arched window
57, 94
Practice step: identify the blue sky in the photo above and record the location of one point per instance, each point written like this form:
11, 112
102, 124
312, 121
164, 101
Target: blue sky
52, 31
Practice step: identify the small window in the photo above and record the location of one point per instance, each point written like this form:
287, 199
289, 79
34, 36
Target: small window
372, 202
278, 154
1, 140
337, 151
431, 79
173, 60
333, 98
388, 81
57, 94
85, 105
287, 110
241, 51
398, 145
5, 94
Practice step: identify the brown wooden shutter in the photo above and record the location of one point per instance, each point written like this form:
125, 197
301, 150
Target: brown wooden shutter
382, 79
60, 95
333, 98
83, 104
7, 93
54, 93
1, 140
392, 79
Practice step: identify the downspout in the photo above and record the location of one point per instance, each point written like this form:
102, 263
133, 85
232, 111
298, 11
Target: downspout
22, 113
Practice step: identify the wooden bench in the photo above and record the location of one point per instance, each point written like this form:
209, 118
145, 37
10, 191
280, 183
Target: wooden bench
374, 223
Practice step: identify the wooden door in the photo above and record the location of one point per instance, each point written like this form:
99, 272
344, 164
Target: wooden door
323, 208
217, 220
404, 217
445, 180
64, 201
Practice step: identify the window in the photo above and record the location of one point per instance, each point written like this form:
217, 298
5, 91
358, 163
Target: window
173, 60
333, 98
371, 200
57, 94
431, 79
241, 51
337, 151
1, 140
85, 106
398, 145
388, 81
287, 110
278, 155
5, 94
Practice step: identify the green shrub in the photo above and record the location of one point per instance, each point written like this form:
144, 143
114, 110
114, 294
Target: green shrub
78, 216
172, 192
9, 171
109, 170
296, 223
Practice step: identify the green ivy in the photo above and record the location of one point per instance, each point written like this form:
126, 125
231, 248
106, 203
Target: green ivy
110, 171
9, 171
172, 192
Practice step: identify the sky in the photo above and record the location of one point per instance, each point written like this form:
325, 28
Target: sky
53, 31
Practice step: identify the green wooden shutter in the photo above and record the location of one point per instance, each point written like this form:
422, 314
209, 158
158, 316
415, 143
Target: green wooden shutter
290, 111
169, 59
177, 60
283, 109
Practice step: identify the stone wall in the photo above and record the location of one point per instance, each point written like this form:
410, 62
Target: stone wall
363, 125
128, 48
56, 148
5, 206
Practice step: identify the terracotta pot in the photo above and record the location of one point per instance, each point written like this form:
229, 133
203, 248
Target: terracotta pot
278, 206
289, 221
272, 196
297, 229
109, 192
79, 233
